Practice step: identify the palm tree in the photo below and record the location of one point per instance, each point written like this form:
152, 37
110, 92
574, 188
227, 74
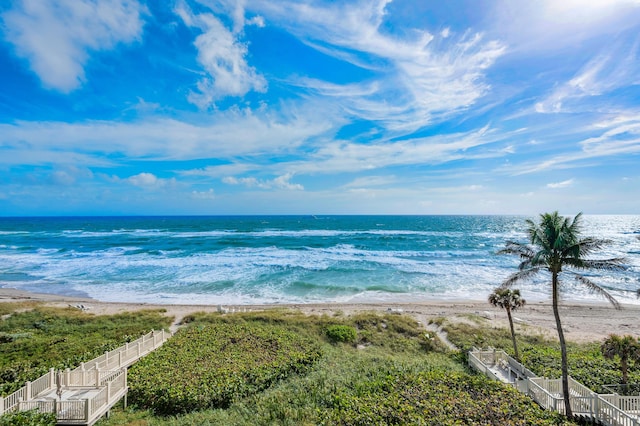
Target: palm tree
556, 246
510, 300
627, 348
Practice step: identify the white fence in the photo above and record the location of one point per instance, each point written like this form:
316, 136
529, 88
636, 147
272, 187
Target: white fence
87, 410
608, 409
97, 372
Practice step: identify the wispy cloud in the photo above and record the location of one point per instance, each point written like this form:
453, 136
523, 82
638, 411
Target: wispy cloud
57, 37
613, 137
602, 74
372, 181
229, 134
551, 25
343, 156
204, 195
563, 184
223, 56
420, 77
280, 182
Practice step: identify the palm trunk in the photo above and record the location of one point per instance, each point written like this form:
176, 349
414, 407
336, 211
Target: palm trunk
513, 334
625, 370
563, 347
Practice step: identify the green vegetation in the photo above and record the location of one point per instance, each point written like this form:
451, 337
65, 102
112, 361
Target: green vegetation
30, 418
212, 365
341, 333
286, 368
556, 246
34, 338
509, 300
585, 361
626, 348
391, 373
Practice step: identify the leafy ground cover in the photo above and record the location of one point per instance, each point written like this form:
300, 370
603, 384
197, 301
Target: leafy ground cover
393, 373
34, 338
282, 368
542, 356
211, 365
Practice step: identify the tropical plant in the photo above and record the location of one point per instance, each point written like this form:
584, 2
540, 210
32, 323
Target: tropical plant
510, 300
627, 348
557, 247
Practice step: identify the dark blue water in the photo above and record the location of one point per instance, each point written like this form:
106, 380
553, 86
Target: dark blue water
287, 259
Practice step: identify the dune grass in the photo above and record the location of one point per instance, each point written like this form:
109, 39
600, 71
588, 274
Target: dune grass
276, 367
34, 338
393, 372
542, 355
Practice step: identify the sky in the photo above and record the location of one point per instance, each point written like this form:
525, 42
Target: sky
204, 107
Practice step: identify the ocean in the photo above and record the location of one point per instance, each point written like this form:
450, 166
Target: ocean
291, 259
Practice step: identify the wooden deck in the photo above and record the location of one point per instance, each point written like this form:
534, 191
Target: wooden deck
607, 409
85, 394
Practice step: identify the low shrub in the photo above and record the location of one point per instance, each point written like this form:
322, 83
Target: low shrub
212, 365
437, 398
39, 338
341, 333
28, 418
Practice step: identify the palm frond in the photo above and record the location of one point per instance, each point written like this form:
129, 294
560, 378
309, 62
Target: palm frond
588, 245
615, 264
576, 226
595, 288
521, 275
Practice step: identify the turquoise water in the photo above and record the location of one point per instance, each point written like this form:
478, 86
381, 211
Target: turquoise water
288, 259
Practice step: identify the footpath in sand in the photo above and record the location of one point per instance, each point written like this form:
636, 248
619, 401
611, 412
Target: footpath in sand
582, 322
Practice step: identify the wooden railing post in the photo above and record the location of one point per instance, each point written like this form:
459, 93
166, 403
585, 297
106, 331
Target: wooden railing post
86, 409
97, 377
52, 378
28, 390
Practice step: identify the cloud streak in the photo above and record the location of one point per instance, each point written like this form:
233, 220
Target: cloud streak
421, 77
234, 133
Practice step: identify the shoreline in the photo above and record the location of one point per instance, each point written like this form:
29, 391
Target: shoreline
582, 321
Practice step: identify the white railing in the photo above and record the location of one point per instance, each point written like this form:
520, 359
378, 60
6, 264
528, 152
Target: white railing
609, 409
83, 410
92, 373
128, 353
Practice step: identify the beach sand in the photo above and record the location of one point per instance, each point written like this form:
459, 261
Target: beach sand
581, 322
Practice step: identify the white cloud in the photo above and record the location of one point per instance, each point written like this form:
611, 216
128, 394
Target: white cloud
144, 179
602, 74
614, 137
371, 181
420, 79
223, 57
553, 25
56, 37
563, 184
229, 134
280, 182
203, 195
69, 175
342, 156
150, 181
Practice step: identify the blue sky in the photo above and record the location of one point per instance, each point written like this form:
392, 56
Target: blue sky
313, 107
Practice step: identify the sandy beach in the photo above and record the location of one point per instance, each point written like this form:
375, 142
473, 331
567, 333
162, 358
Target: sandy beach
581, 322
